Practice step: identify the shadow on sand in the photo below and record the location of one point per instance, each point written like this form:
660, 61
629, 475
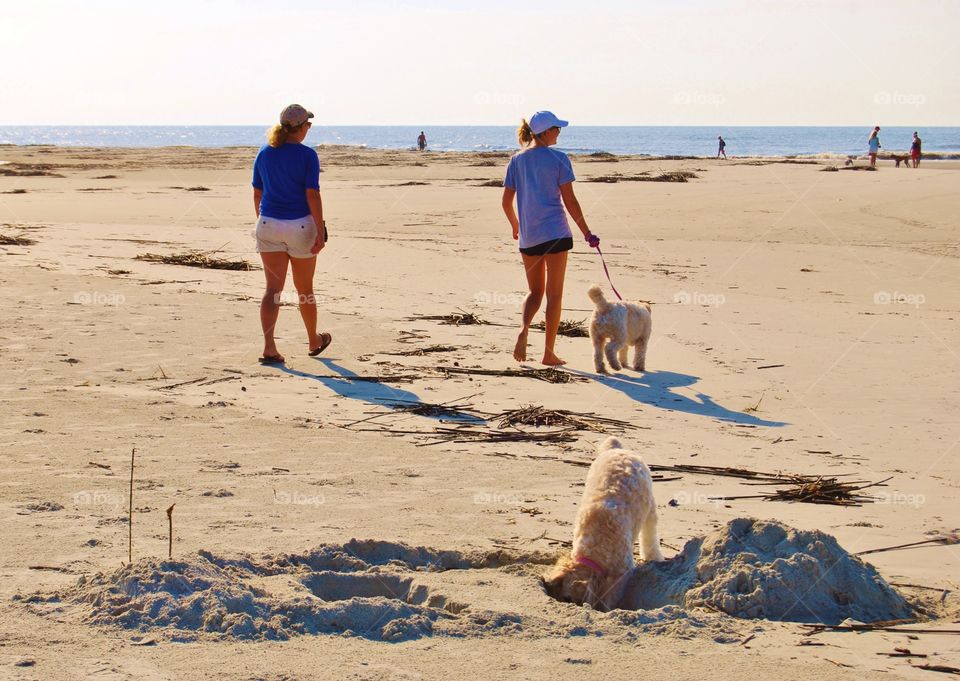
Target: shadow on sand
656, 389
371, 392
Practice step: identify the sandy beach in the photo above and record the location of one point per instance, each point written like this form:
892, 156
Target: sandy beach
804, 323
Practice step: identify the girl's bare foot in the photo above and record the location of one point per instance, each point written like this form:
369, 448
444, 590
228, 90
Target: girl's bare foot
520, 350
551, 360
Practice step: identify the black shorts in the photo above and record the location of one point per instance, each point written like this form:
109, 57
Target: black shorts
548, 247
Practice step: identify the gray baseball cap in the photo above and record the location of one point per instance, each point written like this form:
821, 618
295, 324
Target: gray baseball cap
295, 115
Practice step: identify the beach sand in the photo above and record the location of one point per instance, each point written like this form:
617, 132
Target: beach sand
805, 322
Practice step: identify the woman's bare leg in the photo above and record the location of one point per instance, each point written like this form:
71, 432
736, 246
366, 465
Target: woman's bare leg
275, 272
534, 266
303, 270
556, 265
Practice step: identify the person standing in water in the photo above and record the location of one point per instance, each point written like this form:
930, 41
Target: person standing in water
422, 141
873, 146
541, 179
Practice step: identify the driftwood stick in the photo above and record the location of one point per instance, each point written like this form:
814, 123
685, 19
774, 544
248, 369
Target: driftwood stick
133, 453
170, 531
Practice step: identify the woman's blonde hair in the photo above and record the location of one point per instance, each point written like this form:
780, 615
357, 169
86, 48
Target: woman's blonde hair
525, 134
278, 135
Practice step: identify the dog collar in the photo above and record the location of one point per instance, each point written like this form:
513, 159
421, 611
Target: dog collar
592, 564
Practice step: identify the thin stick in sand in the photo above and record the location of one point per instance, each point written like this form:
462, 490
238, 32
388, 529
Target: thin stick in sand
170, 531
133, 454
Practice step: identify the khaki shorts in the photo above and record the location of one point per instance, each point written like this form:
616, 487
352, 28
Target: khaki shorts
293, 237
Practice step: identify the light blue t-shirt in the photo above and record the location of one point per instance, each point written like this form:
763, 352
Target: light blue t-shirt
874, 143
536, 174
284, 174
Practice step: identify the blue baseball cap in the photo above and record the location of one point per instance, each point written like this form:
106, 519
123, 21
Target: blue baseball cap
544, 120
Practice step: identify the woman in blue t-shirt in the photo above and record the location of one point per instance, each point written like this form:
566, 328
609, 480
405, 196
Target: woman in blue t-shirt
290, 227
541, 179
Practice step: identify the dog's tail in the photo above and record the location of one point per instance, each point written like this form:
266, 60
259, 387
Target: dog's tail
596, 295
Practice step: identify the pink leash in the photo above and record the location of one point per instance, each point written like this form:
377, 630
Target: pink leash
606, 271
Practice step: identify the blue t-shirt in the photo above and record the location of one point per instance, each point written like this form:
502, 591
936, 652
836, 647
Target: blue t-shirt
284, 174
536, 174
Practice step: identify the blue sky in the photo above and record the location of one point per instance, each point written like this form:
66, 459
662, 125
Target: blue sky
741, 62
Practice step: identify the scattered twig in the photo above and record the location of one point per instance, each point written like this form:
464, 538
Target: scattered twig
133, 453
944, 540
755, 407
419, 352
772, 366
99, 465
549, 375
198, 259
938, 668
14, 240
170, 531
539, 416
461, 318
568, 327
877, 626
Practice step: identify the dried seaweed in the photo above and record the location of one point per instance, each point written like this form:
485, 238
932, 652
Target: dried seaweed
568, 327
198, 259
548, 375
420, 352
539, 416
16, 240
817, 490
460, 318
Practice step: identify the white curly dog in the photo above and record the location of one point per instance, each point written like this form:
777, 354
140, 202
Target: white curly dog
617, 507
619, 325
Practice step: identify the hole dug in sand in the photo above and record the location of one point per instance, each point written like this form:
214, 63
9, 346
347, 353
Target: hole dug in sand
377, 590
762, 569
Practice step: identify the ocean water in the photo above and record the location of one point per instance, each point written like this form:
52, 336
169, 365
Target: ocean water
649, 140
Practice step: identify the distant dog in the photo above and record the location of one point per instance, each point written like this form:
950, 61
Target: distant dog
616, 508
905, 160
618, 326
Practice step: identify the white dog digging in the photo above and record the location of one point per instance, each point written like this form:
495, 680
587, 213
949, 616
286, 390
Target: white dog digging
619, 326
617, 507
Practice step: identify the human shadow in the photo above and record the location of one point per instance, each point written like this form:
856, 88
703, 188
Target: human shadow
656, 389
346, 384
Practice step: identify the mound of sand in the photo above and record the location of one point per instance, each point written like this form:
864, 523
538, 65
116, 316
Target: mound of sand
763, 569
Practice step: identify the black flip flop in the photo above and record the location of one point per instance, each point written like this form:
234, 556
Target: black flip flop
325, 340
272, 359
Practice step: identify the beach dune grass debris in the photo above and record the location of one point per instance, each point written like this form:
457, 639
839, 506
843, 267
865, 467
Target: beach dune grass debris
16, 240
460, 318
198, 259
533, 415
550, 375
669, 176
568, 327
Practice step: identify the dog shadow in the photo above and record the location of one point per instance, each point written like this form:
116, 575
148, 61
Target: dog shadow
344, 384
656, 389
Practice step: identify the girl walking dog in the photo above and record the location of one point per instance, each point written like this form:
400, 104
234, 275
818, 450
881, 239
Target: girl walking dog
290, 227
541, 179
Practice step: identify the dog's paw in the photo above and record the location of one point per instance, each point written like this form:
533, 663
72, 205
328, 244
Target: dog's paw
639, 367
616, 366
601, 369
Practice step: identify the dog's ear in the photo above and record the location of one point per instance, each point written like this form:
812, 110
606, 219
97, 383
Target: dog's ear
609, 443
552, 583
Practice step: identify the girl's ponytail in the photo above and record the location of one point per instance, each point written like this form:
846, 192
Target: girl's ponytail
525, 134
277, 135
